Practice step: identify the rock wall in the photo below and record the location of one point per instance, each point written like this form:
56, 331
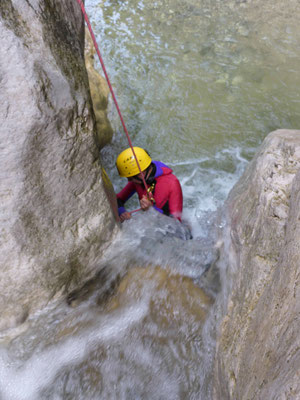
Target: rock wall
99, 93
55, 218
258, 349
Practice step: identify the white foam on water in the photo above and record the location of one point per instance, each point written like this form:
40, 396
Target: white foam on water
39, 371
205, 188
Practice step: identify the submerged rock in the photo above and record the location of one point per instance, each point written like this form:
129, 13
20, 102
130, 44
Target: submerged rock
258, 353
174, 299
55, 217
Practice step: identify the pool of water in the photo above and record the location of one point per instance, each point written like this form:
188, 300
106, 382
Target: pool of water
200, 84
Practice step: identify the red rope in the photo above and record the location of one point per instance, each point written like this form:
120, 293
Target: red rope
134, 211
80, 2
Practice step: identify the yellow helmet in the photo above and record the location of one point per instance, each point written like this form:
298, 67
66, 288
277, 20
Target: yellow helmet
127, 165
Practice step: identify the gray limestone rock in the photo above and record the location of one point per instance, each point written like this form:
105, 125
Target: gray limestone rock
258, 348
99, 93
55, 217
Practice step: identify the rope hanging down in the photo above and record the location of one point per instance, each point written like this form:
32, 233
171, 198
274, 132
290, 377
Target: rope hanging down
80, 2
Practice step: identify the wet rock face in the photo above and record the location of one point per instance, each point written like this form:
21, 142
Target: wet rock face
99, 93
174, 299
55, 217
258, 353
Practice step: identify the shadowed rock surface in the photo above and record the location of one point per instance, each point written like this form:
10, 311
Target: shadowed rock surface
99, 93
55, 217
258, 353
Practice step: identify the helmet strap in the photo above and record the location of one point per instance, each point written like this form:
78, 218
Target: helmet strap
150, 174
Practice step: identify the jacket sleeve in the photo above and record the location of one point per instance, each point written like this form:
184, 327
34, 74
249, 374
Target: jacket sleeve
175, 200
124, 195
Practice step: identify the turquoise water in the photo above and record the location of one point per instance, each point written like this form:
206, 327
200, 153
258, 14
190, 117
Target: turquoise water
200, 84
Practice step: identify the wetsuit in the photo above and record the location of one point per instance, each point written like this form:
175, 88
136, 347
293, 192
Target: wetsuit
167, 191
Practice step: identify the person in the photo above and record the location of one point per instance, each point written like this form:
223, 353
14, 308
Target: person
165, 193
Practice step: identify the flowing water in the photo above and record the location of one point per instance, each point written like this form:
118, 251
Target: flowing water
200, 84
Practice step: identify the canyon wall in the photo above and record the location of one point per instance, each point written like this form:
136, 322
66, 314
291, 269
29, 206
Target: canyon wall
258, 346
55, 218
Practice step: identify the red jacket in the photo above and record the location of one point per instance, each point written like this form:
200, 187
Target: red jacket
167, 192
